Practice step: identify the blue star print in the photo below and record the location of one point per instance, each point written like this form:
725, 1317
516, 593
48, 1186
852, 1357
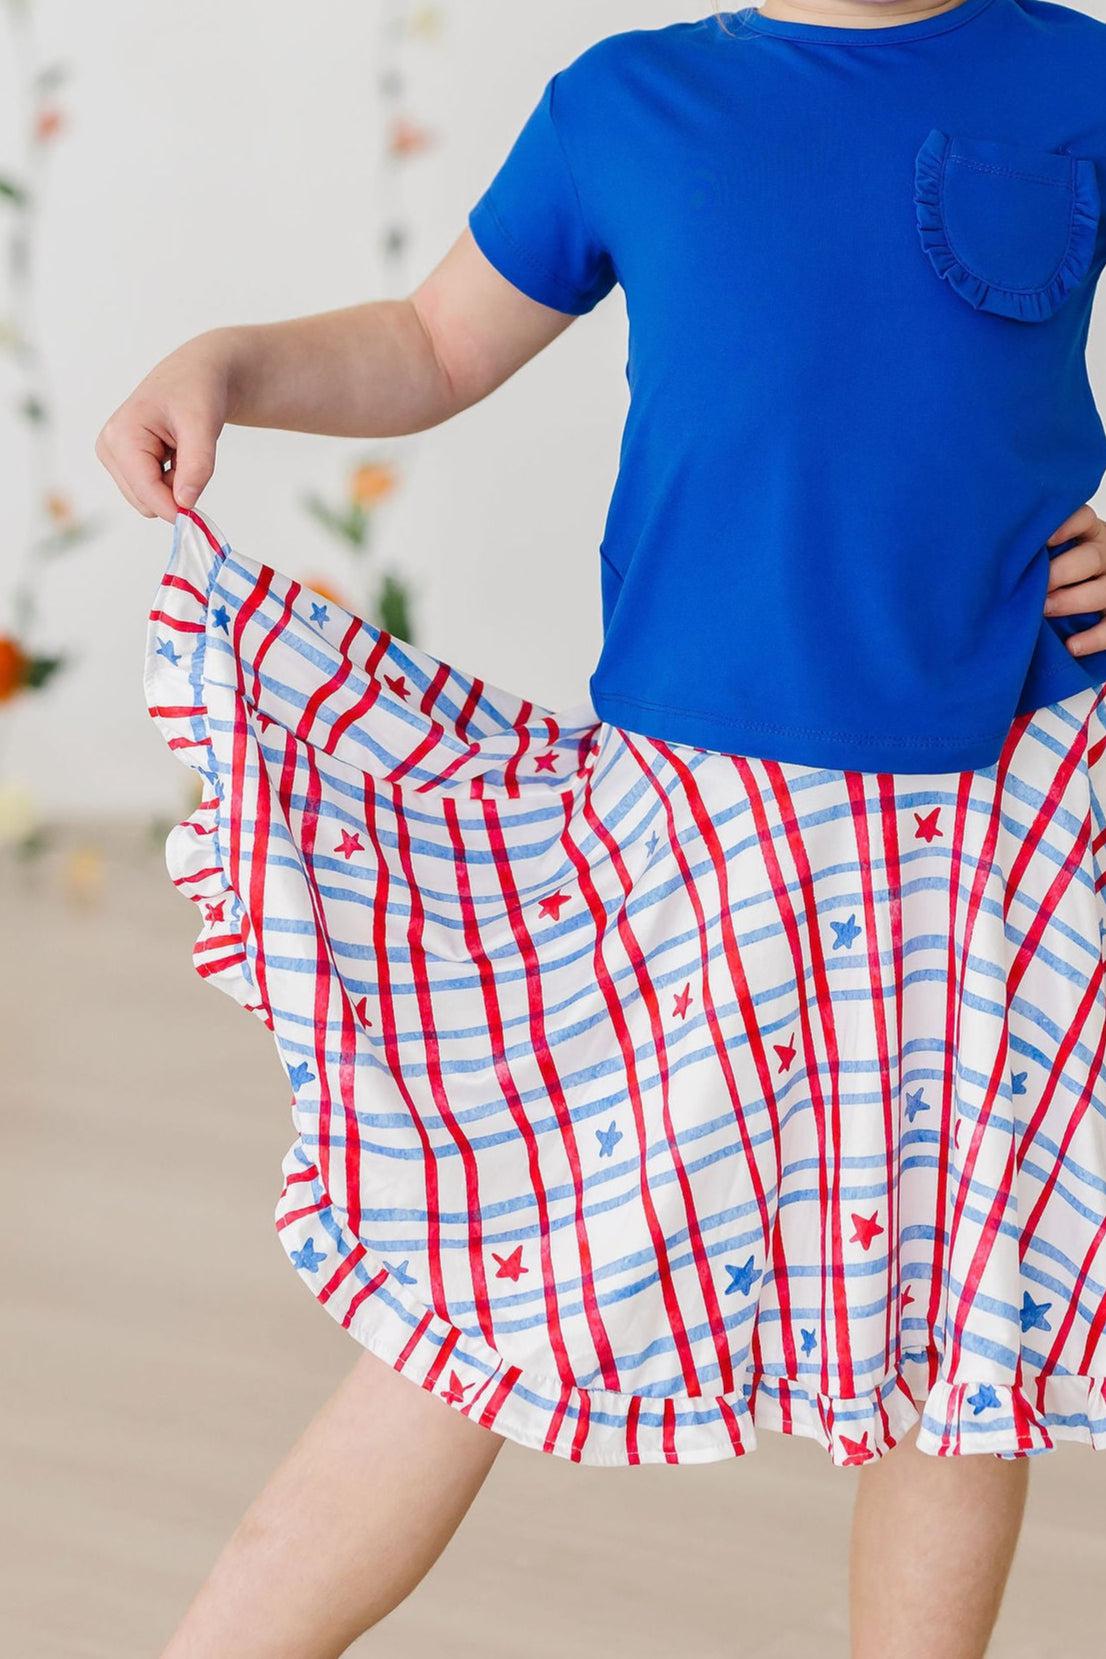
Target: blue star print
742, 1278
608, 1139
401, 1272
915, 1104
984, 1399
847, 933
1033, 1314
319, 615
652, 844
308, 1260
1017, 1082
166, 649
810, 1341
300, 1075
221, 618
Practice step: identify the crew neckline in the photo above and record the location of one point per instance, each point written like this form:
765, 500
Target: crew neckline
836, 34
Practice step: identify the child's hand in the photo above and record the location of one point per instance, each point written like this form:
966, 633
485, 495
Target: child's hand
1077, 578
159, 446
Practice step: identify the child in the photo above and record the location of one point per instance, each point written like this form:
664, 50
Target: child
724, 1054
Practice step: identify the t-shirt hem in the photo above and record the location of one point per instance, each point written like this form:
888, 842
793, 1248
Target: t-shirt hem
519, 267
765, 740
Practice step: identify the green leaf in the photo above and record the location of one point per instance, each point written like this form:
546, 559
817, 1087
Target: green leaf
33, 844
51, 77
70, 535
41, 669
351, 526
34, 410
393, 609
12, 192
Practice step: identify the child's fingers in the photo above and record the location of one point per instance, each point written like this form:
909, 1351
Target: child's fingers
1079, 596
135, 458
193, 463
1090, 639
1081, 523
1081, 563
144, 471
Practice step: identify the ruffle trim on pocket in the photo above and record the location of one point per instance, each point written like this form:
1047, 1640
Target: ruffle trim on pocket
1023, 304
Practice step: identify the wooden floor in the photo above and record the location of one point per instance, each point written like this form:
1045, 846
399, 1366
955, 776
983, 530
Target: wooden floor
160, 1356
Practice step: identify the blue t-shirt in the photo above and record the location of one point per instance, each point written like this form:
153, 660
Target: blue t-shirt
858, 267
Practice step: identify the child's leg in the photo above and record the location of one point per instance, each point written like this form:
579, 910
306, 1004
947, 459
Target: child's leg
933, 1539
355, 1516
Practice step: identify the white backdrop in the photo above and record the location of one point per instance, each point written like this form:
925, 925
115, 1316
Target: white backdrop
220, 165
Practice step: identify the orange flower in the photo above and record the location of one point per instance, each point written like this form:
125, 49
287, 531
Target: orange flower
48, 123
370, 483
407, 138
13, 667
60, 509
325, 591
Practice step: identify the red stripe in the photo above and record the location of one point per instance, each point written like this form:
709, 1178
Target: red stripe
342, 1273
709, 835
176, 624
579, 1438
494, 1024
790, 926
618, 1019
327, 687
201, 522
354, 713
381, 892
506, 1383
510, 771
432, 1056
789, 818
551, 1078
633, 1413
668, 1430
363, 1294
472, 701
855, 785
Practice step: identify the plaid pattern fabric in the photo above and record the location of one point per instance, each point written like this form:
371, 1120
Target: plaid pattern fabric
646, 1096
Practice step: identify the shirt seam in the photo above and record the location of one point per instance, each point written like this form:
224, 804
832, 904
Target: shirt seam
806, 40
804, 731
1004, 287
578, 295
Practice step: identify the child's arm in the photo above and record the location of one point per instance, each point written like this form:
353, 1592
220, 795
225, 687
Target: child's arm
372, 371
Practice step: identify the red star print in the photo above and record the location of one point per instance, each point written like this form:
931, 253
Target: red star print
867, 1226
510, 1267
348, 845
928, 829
455, 1393
682, 1004
264, 722
546, 763
214, 912
907, 1297
361, 1009
552, 906
858, 1451
786, 1054
398, 684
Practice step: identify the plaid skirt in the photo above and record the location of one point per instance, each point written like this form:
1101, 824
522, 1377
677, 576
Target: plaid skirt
645, 1096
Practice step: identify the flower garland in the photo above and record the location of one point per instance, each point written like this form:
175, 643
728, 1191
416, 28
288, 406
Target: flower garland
51, 525
373, 477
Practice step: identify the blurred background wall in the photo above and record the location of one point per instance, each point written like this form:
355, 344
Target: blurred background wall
208, 164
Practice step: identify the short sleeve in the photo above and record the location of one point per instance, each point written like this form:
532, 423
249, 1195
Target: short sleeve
530, 222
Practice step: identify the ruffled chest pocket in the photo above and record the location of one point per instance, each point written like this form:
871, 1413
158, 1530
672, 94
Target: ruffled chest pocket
1011, 229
